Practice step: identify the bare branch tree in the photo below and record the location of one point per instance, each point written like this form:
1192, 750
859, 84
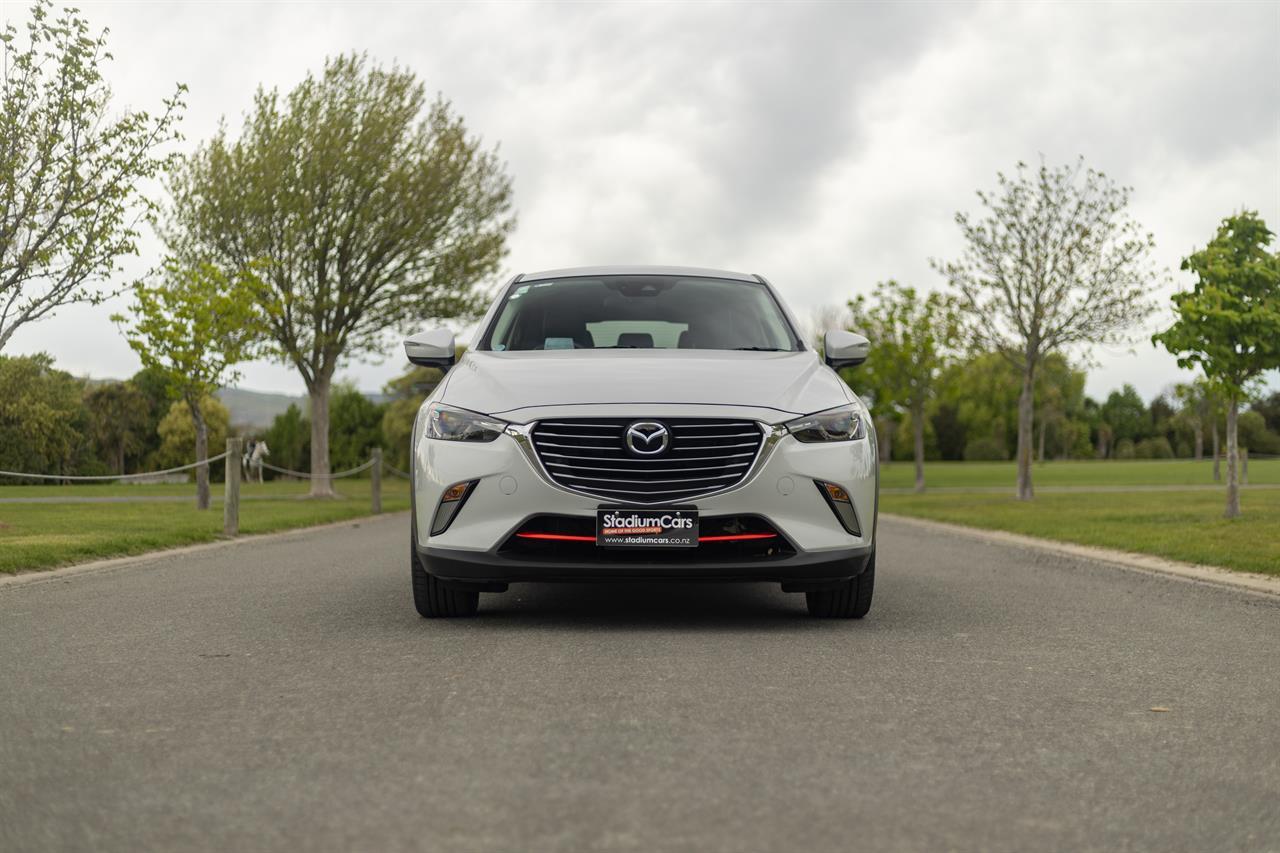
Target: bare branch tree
1056, 260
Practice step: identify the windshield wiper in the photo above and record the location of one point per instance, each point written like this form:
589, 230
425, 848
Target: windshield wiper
761, 349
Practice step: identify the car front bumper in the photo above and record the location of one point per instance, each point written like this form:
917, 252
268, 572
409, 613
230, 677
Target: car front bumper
511, 488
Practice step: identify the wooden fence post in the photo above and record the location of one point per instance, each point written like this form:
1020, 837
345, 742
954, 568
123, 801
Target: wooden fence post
375, 480
231, 499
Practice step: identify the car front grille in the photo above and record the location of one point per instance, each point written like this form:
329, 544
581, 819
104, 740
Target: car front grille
703, 456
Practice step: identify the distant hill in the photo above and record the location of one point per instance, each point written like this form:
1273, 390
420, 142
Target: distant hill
257, 409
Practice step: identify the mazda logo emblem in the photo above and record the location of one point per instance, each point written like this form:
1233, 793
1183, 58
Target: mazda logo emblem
647, 438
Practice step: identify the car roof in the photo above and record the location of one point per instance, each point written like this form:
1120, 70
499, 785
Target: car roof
575, 272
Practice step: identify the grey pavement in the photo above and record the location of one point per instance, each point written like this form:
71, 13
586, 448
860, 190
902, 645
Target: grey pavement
283, 695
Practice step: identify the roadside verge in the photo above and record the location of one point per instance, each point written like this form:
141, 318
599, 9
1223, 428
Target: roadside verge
1213, 575
39, 575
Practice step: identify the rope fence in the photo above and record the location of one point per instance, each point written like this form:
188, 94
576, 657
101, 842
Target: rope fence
113, 477
231, 458
303, 475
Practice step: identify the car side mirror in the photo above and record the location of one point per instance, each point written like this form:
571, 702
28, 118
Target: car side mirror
845, 349
431, 349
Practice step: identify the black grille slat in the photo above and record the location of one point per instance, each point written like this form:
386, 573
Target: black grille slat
704, 456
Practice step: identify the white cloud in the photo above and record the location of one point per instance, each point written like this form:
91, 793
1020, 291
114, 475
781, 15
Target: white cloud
824, 145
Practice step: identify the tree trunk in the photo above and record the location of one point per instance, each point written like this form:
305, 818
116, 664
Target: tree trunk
1044, 427
1199, 434
120, 457
884, 435
1233, 472
1026, 420
917, 429
1217, 470
202, 454
321, 482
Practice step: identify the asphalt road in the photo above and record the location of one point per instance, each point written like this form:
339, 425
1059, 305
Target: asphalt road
285, 696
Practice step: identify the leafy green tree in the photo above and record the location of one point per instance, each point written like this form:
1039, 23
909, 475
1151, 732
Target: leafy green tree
1127, 415
408, 392
971, 416
41, 417
1193, 411
373, 210
118, 416
1228, 324
1055, 261
179, 432
194, 324
1254, 434
288, 438
983, 390
153, 385
71, 168
1269, 408
1059, 405
913, 338
356, 427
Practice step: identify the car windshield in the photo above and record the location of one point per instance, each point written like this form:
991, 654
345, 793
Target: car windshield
640, 312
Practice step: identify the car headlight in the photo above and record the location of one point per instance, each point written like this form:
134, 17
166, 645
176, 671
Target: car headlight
450, 424
843, 424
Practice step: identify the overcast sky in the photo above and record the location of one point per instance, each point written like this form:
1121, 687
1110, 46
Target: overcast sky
825, 145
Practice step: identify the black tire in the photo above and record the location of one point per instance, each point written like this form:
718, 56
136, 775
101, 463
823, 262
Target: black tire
851, 600
433, 599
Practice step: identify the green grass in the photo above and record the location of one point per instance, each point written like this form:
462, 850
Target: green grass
1185, 525
1138, 472
42, 536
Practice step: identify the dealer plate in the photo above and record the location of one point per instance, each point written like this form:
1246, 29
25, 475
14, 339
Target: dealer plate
647, 528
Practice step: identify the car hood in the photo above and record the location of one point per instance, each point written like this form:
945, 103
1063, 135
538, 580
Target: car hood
512, 384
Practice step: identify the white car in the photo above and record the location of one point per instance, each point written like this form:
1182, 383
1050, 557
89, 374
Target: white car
624, 423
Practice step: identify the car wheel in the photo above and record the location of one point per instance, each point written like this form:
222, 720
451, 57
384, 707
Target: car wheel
850, 600
433, 599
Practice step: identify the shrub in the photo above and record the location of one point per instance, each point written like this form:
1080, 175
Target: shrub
1153, 448
1124, 449
985, 450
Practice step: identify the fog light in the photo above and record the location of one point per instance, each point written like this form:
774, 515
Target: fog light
837, 497
836, 493
456, 492
450, 502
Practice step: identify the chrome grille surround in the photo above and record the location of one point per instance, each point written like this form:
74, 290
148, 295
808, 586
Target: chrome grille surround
706, 456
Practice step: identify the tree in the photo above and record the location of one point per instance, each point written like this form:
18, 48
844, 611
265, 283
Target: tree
118, 416
1126, 414
70, 174
194, 324
179, 437
41, 417
372, 209
1193, 410
976, 395
1269, 408
356, 426
912, 337
1228, 324
154, 387
288, 438
1055, 261
408, 392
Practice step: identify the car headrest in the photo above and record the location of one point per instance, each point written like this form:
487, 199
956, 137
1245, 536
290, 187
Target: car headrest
639, 340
